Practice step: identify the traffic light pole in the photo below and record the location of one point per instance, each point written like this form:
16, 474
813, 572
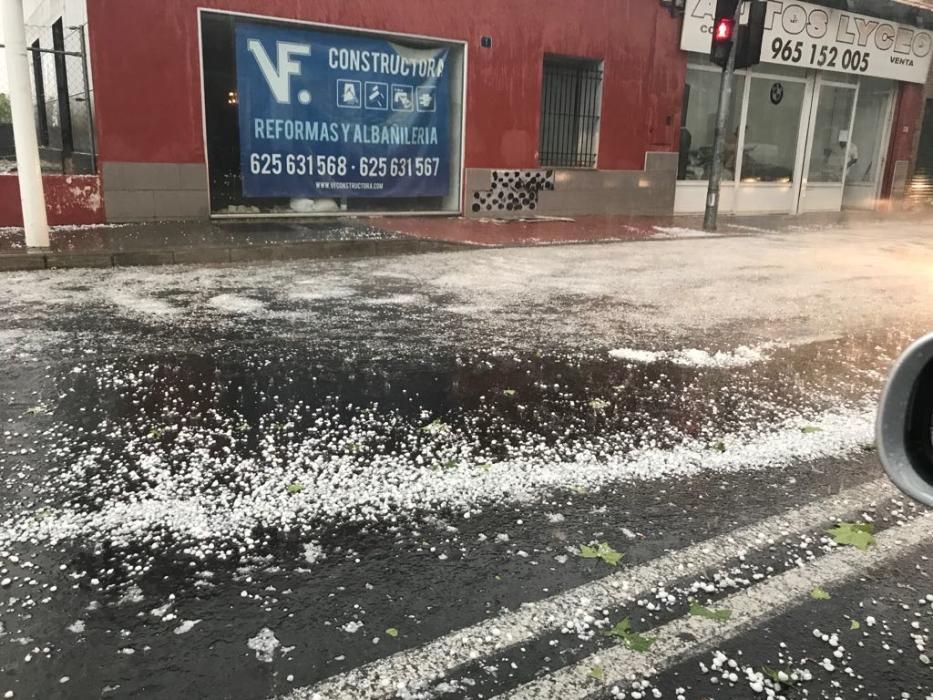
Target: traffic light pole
722, 118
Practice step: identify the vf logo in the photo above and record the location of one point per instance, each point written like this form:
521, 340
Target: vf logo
279, 74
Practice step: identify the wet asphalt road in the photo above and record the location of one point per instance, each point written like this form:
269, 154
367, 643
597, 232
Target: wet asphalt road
238, 482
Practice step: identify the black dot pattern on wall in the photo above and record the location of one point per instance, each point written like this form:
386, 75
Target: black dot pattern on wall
513, 190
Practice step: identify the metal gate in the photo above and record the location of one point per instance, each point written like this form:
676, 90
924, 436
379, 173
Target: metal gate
62, 101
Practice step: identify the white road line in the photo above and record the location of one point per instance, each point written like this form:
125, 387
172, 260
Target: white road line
691, 635
414, 668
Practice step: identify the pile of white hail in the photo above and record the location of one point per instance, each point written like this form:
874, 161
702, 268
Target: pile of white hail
742, 356
184, 472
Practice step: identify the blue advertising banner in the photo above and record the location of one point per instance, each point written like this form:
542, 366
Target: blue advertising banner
326, 114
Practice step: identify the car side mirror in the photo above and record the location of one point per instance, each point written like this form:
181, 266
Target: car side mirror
904, 427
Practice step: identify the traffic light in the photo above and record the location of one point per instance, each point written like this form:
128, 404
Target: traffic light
746, 37
723, 31
748, 41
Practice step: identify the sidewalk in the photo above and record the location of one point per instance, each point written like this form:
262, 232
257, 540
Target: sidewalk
179, 242
556, 230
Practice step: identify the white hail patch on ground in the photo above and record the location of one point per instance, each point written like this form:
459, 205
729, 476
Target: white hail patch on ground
321, 294
236, 304
77, 627
186, 626
395, 299
140, 305
680, 232
264, 644
133, 595
188, 502
742, 356
313, 552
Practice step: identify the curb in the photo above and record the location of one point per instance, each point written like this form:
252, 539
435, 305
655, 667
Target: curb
13, 262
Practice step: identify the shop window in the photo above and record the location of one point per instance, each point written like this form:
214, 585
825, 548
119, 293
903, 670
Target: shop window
832, 150
772, 129
571, 96
698, 123
867, 133
387, 139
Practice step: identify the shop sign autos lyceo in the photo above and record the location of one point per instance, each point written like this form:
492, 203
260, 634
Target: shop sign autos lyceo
810, 36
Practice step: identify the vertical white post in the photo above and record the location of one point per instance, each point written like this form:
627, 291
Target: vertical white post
28, 167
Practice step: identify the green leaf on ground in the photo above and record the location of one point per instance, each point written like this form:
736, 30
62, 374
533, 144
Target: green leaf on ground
811, 429
436, 427
633, 640
603, 551
819, 594
43, 513
702, 611
295, 488
392, 632
36, 411
597, 673
859, 535
509, 392
854, 625
779, 676
599, 404
720, 446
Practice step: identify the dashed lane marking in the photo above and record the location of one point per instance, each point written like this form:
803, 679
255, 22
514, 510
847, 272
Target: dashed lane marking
415, 668
691, 635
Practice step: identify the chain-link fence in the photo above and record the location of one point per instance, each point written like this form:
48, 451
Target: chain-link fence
62, 98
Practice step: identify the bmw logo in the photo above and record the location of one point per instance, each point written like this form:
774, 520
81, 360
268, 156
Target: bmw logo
777, 93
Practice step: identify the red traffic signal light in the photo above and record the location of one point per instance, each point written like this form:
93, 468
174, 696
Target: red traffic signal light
724, 29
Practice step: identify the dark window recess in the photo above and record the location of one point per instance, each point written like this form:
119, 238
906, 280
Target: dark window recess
571, 94
921, 186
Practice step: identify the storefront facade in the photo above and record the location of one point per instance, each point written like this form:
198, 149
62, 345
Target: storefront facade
411, 107
811, 126
241, 108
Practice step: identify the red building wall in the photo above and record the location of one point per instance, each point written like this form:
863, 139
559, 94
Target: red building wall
908, 114
146, 64
69, 199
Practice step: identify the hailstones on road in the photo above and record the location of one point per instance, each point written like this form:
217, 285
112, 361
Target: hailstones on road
264, 643
742, 356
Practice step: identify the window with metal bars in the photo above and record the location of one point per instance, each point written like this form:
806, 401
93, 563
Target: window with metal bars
571, 95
